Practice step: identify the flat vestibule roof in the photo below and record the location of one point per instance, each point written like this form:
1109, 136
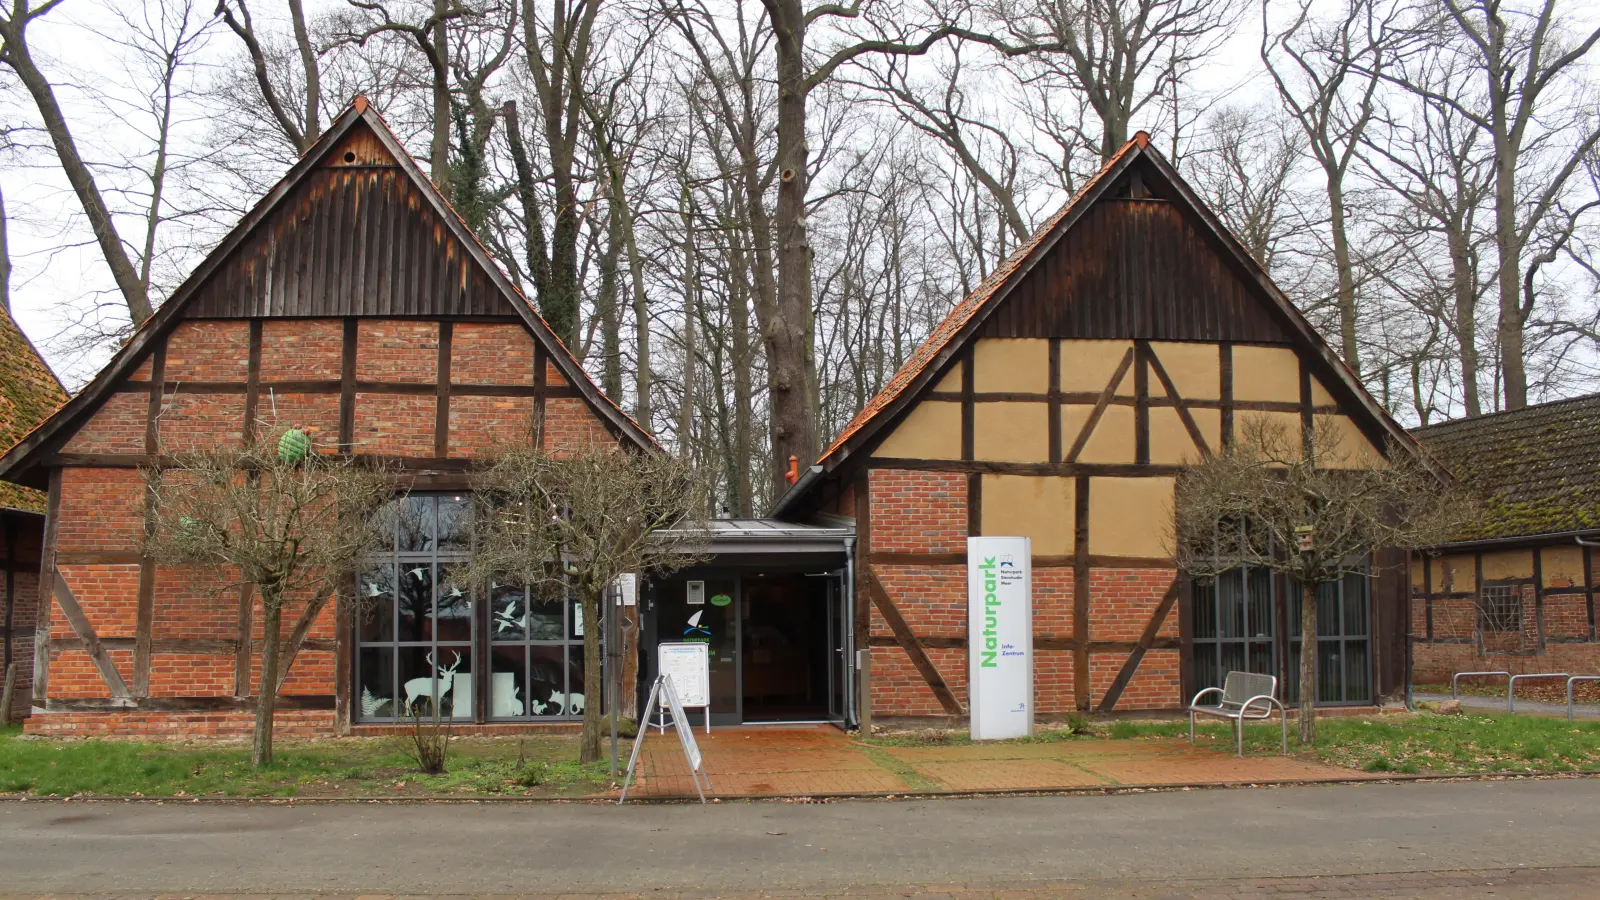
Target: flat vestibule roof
774, 536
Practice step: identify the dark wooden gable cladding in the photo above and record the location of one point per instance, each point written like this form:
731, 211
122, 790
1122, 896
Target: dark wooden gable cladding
355, 237
1138, 265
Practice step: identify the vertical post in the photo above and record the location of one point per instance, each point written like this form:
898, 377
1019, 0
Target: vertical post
1080, 594
1225, 374
863, 609
347, 387
613, 671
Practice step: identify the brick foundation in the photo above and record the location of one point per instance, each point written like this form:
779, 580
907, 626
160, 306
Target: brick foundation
176, 725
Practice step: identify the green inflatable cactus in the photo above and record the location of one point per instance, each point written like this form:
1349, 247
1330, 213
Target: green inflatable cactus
293, 446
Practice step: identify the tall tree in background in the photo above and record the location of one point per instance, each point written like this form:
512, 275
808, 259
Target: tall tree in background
1327, 75
1525, 63
16, 55
559, 45
1121, 56
1440, 165
302, 124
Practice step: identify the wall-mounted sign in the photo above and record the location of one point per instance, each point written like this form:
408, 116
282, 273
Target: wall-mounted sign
697, 593
628, 589
721, 600
1000, 636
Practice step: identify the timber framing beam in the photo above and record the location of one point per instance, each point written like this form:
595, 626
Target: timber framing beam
90, 641
1146, 642
911, 644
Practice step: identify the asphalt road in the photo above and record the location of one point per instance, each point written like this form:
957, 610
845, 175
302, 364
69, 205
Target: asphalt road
498, 848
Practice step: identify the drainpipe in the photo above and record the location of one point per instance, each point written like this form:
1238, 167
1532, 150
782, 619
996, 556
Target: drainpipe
850, 631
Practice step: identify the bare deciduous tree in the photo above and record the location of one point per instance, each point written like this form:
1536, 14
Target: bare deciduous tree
1526, 63
1311, 506
1327, 74
18, 56
572, 524
291, 523
302, 126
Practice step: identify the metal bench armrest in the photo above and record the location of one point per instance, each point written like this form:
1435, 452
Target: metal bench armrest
1266, 712
1203, 692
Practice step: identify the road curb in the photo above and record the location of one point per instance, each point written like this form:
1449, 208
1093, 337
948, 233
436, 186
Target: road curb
823, 797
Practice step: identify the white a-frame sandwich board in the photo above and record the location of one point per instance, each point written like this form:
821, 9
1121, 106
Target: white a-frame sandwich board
663, 693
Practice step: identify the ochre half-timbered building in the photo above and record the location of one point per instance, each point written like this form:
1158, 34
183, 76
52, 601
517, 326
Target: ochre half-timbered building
354, 303
1059, 401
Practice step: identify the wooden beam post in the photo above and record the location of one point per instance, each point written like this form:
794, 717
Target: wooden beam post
347, 386
441, 420
1080, 593
47, 577
1225, 368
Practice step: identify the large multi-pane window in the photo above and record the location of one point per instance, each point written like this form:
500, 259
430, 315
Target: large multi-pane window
1344, 641
1248, 620
418, 634
1234, 626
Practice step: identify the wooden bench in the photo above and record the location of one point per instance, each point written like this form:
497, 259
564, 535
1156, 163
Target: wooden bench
1243, 695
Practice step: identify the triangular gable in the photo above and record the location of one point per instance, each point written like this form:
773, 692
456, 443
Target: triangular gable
980, 312
432, 265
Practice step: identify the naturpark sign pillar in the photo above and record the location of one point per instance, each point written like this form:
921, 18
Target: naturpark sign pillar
1000, 637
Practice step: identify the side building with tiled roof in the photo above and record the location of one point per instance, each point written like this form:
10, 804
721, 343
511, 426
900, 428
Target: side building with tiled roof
1515, 592
29, 393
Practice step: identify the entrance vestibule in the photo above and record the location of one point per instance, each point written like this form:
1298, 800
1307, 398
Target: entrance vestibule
777, 640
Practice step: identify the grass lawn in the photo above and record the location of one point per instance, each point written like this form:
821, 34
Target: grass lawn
1419, 743
542, 766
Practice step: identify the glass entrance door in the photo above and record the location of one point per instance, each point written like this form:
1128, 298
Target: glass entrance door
705, 610
838, 648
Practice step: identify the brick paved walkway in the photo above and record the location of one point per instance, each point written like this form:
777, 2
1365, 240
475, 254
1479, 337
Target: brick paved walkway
1522, 884
800, 761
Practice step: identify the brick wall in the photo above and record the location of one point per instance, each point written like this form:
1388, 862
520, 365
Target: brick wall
926, 512
22, 557
102, 509
1555, 633
918, 512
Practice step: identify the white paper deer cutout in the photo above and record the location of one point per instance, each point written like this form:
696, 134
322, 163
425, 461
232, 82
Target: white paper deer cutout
417, 688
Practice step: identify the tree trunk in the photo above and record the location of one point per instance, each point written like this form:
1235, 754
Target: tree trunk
1308, 662
593, 681
17, 56
8, 694
1514, 373
308, 61
690, 292
1466, 319
439, 59
606, 306
791, 370
1348, 347
266, 692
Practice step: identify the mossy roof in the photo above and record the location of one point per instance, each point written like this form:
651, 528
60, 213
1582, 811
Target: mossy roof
29, 393
1535, 470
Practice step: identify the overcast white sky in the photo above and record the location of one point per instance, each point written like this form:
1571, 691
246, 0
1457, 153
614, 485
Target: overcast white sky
58, 268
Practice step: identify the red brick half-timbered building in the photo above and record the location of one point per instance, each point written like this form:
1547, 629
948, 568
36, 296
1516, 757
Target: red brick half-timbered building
351, 302
1059, 401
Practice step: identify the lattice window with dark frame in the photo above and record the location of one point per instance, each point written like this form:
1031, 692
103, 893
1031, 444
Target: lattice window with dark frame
1500, 608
